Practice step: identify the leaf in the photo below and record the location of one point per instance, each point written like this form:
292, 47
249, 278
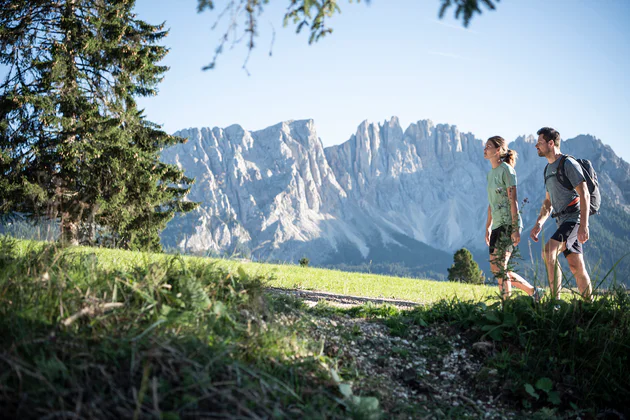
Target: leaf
530, 390
335, 376
491, 316
165, 310
496, 334
554, 398
346, 390
509, 319
367, 407
218, 308
544, 384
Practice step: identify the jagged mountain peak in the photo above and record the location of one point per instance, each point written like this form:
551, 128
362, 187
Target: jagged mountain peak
526, 138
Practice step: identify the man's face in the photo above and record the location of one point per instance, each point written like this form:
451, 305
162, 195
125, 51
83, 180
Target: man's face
543, 146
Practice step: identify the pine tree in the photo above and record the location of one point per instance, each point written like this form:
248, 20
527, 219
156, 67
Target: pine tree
73, 145
465, 269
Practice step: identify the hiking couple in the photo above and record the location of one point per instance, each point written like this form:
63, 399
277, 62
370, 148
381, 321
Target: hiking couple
571, 207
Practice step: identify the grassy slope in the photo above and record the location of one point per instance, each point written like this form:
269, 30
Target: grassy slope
306, 278
194, 334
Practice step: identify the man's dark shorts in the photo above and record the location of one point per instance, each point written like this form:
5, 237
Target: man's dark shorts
568, 232
501, 235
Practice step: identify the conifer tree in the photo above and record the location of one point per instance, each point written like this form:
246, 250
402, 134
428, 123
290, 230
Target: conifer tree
465, 269
73, 145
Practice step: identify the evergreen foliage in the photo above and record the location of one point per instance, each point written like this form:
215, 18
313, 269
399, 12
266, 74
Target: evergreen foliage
465, 269
73, 145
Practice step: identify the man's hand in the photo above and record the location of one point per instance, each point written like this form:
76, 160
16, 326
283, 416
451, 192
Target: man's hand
516, 237
535, 232
488, 232
583, 233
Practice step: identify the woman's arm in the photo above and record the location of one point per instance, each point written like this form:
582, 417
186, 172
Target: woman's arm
488, 225
513, 198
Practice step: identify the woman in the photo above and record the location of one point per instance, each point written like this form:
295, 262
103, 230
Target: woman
504, 224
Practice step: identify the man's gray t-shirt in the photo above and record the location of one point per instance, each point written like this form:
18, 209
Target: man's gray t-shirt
560, 196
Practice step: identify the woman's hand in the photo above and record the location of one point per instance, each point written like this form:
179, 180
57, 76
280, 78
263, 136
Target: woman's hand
516, 237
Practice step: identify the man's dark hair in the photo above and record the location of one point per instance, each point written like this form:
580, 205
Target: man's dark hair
549, 134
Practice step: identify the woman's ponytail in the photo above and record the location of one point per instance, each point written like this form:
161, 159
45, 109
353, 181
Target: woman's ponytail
510, 157
507, 155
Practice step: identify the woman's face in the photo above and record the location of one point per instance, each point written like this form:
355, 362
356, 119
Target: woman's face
490, 151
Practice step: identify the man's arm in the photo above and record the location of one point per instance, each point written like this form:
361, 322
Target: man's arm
545, 211
585, 206
512, 196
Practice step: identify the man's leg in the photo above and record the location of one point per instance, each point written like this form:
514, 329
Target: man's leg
583, 280
554, 274
575, 258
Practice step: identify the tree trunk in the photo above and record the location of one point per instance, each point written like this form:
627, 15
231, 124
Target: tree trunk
69, 230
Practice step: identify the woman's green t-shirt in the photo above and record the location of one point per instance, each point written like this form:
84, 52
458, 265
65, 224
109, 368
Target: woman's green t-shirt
499, 179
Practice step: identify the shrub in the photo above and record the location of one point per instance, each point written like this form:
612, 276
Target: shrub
304, 262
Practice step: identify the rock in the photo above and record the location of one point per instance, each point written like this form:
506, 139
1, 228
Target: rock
483, 347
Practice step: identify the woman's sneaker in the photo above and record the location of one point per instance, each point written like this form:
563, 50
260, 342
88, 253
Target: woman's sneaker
538, 294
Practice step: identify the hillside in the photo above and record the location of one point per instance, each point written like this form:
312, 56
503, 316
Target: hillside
105, 334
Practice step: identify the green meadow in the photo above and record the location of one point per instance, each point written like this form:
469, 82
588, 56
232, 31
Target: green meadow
290, 276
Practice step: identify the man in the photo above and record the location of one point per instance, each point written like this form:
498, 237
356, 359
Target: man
571, 208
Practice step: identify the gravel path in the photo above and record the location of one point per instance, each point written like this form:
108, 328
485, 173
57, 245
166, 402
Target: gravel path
428, 372
311, 298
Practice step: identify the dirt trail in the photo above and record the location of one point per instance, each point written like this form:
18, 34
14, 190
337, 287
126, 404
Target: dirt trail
311, 298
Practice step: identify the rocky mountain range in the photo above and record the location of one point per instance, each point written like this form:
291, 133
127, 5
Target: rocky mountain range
387, 200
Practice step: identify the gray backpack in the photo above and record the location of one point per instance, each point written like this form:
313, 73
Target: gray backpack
591, 181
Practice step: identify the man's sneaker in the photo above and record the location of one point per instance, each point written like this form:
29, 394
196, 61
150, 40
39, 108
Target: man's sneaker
538, 294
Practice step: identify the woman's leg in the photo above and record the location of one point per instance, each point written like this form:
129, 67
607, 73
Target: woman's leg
507, 279
498, 259
515, 279
520, 283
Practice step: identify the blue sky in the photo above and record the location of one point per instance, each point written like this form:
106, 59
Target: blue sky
562, 63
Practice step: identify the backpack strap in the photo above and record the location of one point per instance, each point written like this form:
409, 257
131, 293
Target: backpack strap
545, 177
561, 175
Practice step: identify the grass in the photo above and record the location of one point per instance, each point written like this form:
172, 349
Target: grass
288, 276
166, 338
103, 333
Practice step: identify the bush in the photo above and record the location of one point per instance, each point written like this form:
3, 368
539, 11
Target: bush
465, 269
304, 262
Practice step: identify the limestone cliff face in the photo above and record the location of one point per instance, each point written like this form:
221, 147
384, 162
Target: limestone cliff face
263, 189
281, 195
424, 182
